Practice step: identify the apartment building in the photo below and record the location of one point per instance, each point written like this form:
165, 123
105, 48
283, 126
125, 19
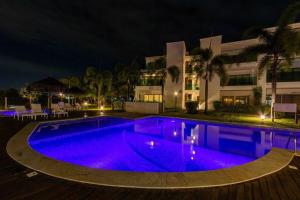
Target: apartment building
243, 77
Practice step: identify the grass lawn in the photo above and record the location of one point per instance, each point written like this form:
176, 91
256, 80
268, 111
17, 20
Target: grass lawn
239, 118
243, 118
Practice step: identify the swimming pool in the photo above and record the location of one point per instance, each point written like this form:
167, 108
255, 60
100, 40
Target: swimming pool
155, 144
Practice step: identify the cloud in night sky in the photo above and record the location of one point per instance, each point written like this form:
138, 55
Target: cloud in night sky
39, 38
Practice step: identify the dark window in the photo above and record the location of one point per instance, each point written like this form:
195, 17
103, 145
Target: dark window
150, 81
236, 80
285, 76
188, 67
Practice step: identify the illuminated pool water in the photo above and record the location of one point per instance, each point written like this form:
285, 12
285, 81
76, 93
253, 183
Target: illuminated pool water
155, 144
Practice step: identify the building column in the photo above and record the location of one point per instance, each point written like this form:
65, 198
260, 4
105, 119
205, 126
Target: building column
214, 85
175, 56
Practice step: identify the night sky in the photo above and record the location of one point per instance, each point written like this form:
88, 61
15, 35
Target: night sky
40, 38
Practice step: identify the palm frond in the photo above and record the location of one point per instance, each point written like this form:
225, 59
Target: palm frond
200, 71
263, 64
289, 15
174, 73
254, 50
217, 65
252, 32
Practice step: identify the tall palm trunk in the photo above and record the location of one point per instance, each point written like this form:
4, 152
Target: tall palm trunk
274, 85
162, 96
206, 95
98, 98
199, 100
128, 89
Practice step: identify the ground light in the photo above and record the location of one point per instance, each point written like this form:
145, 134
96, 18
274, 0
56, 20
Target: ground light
262, 117
101, 108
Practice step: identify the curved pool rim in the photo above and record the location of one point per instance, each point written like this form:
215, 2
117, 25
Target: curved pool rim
18, 148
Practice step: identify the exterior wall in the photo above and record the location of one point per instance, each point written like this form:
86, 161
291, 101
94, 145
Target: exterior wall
175, 56
143, 107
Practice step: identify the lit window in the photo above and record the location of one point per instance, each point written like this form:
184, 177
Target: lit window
153, 98
228, 100
242, 100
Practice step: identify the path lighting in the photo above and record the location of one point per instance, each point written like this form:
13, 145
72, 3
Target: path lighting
175, 102
101, 108
262, 117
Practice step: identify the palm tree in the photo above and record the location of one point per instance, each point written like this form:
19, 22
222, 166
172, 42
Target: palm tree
159, 65
278, 48
206, 65
133, 76
71, 81
99, 82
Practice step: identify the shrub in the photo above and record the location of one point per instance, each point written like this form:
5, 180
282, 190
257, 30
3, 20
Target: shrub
257, 93
217, 105
238, 108
264, 109
191, 107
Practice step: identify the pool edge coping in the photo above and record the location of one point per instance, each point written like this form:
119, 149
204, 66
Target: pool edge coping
19, 150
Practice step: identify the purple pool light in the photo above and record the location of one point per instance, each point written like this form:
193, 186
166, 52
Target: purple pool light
155, 144
7, 113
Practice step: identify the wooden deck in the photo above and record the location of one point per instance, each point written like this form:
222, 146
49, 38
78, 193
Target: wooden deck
14, 184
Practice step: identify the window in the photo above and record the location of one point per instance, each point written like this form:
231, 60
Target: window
188, 97
152, 98
241, 100
246, 79
290, 75
188, 84
188, 67
228, 100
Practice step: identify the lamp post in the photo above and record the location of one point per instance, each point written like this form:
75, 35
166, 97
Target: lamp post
61, 96
175, 102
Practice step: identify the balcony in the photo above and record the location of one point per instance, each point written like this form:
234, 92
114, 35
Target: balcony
150, 82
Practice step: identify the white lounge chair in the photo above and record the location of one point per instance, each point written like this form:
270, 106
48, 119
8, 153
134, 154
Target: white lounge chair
78, 106
36, 110
57, 111
69, 107
61, 105
21, 111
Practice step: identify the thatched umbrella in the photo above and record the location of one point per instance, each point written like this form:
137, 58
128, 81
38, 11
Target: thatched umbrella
48, 85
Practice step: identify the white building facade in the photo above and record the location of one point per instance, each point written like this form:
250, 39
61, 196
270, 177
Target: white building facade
243, 77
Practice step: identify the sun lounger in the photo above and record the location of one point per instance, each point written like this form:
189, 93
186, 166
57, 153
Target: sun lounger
78, 106
36, 110
21, 111
69, 107
57, 111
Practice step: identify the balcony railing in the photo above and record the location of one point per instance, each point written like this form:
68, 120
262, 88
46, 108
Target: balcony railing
149, 82
191, 87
